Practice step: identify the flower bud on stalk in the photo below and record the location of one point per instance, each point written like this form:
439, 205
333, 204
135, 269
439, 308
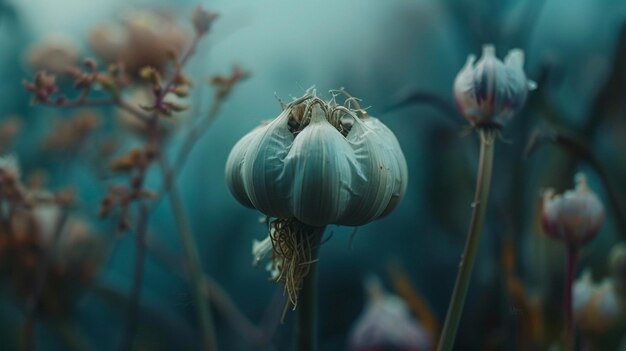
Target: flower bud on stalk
315, 164
490, 92
574, 218
597, 306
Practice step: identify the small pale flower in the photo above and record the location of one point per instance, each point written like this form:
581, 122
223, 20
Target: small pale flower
10, 166
386, 324
490, 92
574, 217
596, 306
264, 250
617, 264
261, 249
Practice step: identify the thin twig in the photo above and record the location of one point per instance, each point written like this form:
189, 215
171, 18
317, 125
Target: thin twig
80, 103
568, 312
193, 264
135, 294
216, 294
189, 141
40, 282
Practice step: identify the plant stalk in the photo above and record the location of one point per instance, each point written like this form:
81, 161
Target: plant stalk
455, 309
570, 271
138, 272
306, 312
196, 276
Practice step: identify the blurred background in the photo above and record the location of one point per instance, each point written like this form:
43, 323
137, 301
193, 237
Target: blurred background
71, 287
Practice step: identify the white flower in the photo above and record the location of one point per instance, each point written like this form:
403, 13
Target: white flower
264, 250
490, 92
575, 216
10, 165
386, 323
596, 306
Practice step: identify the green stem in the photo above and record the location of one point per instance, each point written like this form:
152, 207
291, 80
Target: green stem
306, 318
455, 309
195, 271
570, 272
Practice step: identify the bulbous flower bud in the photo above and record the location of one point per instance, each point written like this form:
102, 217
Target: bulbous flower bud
386, 324
574, 217
309, 165
596, 306
490, 92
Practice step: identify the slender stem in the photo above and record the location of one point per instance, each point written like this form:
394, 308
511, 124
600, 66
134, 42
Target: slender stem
570, 271
214, 292
40, 282
455, 309
193, 264
190, 140
71, 336
306, 319
135, 294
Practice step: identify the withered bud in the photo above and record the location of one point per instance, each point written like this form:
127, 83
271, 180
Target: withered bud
42, 87
224, 85
150, 73
65, 197
107, 82
90, 64
175, 107
83, 81
127, 161
181, 79
43, 80
181, 91
202, 20
105, 206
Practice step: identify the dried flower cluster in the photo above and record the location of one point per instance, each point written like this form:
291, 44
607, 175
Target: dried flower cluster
39, 241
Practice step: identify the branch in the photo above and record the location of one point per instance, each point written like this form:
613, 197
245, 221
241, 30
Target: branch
40, 282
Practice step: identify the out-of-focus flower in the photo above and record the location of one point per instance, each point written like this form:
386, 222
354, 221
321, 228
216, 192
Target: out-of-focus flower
54, 53
302, 165
490, 92
9, 128
386, 324
143, 96
68, 134
145, 38
10, 167
617, 265
42, 86
202, 20
264, 250
574, 217
596, 306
